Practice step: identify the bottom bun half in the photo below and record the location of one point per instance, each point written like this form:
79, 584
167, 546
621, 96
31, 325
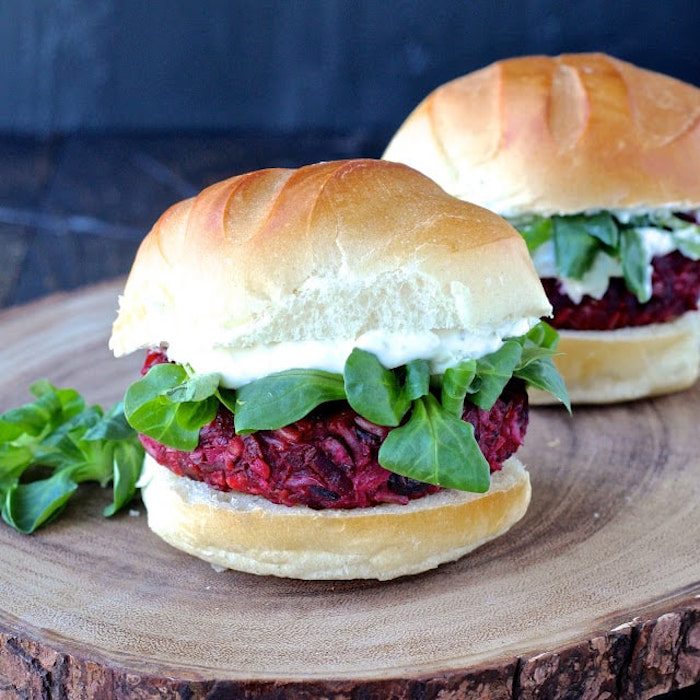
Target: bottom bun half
628, 363
248, 533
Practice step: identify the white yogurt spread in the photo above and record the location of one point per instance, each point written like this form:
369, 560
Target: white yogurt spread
442, 348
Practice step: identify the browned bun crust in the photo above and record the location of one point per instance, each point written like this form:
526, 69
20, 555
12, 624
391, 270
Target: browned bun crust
327, 251
628, 363
248, 533
560, 134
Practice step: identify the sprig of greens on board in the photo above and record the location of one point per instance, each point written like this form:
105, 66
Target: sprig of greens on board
430, 441
51, 445
580, 238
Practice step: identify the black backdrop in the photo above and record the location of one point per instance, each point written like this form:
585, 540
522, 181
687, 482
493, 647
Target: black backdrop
296, 64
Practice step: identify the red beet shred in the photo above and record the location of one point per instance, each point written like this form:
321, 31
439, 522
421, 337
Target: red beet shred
329, 458
675, 290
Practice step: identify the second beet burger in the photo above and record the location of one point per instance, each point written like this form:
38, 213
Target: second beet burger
335, 375
597, 163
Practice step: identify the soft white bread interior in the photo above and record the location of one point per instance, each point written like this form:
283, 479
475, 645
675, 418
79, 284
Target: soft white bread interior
328, 251
248, 533
629, 363
560, 134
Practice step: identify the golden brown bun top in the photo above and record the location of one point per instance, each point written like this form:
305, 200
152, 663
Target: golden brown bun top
327, 251
561, 134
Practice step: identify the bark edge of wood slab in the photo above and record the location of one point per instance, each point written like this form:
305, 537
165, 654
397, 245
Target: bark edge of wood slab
595, 594
641, 658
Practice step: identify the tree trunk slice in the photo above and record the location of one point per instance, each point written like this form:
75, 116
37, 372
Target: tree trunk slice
596, 593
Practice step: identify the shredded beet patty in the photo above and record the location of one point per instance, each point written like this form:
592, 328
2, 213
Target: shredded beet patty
329, 458
675, 290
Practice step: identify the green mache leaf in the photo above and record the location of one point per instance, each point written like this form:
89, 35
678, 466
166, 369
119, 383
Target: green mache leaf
78, 423
61, 403
97, 457
42, 387
661, 219
128, 461
175, 425
79, 443
575, 248
51, 408
532, 353
153, 386
14, 457
494, 372
455, 384
28, 420
192, 416
283, 398
542, 335
603, 227
28, 506
31, 418
197, 388
72, 403
417, 379
372, 390
58, 453
642, 221
540, 342
437, 448
28, 433
687, 239
62, 447
112, 426
542, 374
14, 460
635, 268
536, 230
149, 410
9, 430
227, 398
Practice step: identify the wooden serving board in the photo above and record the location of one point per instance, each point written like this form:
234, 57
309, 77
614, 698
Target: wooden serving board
596, 593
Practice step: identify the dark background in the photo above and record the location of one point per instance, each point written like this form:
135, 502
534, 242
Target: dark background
295, 64
111, 110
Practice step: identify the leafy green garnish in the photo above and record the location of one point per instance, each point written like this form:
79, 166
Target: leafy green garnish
128, 460
197, 387
455, 384
112, 426
544, 375
542, 335
575, 247
635, 268
687, 238
158, 406
29, 506
75, 442
529, 358
373, 391
282, 398
494, 372
227, 398
438, 448
417, 379
433, 444
536, 230
601, 226
579, 239
536, 367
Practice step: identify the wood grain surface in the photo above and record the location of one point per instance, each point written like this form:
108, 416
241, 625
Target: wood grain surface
596, 593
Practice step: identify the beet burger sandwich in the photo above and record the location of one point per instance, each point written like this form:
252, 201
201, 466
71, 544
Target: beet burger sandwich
597, 163
335, 372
